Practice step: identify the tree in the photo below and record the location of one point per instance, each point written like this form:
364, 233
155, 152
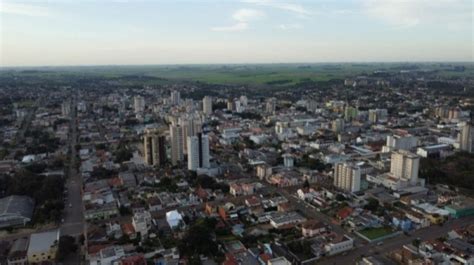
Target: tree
67, 245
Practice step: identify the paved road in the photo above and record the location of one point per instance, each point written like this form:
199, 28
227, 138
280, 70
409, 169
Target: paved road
73, 224
391, 244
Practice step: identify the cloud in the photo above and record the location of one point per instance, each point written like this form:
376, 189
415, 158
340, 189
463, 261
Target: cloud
290, 26
290, 7
246, 15
23, 9
241, 26
410, 13
242, 18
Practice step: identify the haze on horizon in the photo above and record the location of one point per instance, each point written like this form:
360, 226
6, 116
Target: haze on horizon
92, 32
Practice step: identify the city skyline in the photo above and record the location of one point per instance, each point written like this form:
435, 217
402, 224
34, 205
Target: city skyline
40, 33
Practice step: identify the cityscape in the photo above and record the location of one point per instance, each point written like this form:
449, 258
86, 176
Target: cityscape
267, 162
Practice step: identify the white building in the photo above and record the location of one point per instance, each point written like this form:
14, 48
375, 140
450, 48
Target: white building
198, 152
405, 165
207, 105
139, 104
175, 97
141, 221
174, 219
338, 246
347, 176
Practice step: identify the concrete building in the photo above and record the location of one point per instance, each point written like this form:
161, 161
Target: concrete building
138, 104
191, 126
398, 142
43, 246
405, 165
154, 147
339, 245
198, 152
347, 176
288, 160
466, 138
177, 142
270, 106
337, 125
175, 97
207, 105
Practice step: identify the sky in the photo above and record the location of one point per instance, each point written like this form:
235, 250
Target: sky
121, 32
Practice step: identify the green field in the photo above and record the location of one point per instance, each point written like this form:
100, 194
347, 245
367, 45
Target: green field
374, 233
249, 74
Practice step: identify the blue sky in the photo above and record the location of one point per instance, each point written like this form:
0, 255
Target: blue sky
90, 32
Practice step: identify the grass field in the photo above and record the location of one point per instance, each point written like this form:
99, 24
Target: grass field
250, 74
374, 233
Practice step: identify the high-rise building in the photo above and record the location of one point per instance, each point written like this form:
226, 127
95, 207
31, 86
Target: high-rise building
338, 125
154, 147
466, 138
347, 176
191, 126
244, 101
207, 105
175, 97
66, 108
198, 151
377, 115
177, 142
230, 105
288, 160
270, 105
139, 104
350, 113
405, 165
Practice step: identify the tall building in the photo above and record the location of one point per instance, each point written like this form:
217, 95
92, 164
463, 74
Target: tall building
191, 126
207, 105
377, 115
139, 104
347, 177
66, 108
175, 97
270, 105
244, 100
405, 165
154, 147
350, 113
230, 105
466, 138
177, 142
198, 151
338, 125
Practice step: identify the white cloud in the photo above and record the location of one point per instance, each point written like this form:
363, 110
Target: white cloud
290, 26
23, 9
241, 26
291, 7
246, 15
241, 17
409, 13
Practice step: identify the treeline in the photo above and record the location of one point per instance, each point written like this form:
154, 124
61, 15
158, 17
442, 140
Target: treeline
456, 170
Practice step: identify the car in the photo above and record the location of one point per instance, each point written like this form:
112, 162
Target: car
380, 243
